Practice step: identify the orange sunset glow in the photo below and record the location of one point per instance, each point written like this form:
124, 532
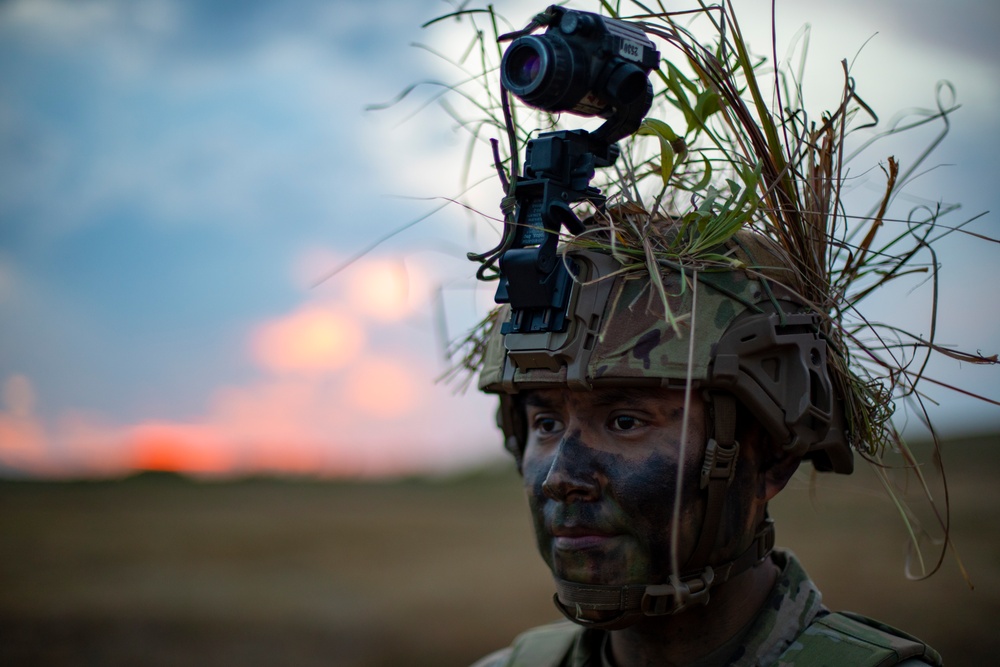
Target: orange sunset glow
179, 447
344, 384
312, 339
383, 388
386, 290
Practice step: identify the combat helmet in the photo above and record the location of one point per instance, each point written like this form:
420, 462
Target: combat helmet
751, 335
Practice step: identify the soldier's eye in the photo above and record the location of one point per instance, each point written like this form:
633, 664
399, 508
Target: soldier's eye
547, 425
625, 423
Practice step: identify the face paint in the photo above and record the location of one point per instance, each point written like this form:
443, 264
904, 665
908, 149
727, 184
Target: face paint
600, 470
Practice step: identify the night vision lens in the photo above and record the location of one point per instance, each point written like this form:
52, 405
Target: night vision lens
524, 66
528, 67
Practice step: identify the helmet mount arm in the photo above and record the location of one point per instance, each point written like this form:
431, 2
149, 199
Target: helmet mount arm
557, 173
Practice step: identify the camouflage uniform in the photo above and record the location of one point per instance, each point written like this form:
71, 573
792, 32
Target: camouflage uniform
792, 628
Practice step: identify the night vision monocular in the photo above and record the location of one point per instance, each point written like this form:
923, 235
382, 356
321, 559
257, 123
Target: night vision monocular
584, 64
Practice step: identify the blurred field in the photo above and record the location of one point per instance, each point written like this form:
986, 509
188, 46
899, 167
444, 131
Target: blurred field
157, 570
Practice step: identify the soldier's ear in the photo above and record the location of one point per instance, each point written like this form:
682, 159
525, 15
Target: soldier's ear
776, 475
516, 449
512, 422
774, 467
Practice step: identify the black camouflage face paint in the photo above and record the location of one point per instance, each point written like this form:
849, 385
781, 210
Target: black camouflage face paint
602, 508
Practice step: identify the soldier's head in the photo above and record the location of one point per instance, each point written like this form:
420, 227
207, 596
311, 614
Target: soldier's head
652, 430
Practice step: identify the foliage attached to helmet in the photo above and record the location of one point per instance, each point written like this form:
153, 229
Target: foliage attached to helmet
697, 238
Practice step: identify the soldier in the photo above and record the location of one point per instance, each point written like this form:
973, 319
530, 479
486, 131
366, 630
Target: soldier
665, 366
649, 458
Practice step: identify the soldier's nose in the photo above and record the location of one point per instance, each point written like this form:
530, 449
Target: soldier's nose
572, 475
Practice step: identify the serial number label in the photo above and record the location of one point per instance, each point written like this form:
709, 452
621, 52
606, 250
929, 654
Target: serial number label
630, 50
534, 231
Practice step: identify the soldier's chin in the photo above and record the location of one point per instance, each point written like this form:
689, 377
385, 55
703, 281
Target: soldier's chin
589, 569
603, 620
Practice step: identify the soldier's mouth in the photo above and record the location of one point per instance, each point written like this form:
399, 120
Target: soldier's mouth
573, 538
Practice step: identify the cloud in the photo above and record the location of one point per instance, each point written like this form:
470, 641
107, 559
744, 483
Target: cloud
312, 339
383, 388
188, 114
57, 20
382, 289
325, 397
22, 439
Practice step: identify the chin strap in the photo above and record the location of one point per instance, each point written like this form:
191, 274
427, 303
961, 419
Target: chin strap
635, 600
630, 602
717, 473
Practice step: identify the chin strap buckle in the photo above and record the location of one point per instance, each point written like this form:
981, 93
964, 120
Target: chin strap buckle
764, 539
662, 599
720, 462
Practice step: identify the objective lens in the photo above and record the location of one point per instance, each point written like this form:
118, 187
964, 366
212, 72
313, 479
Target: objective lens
545, 71
524, 66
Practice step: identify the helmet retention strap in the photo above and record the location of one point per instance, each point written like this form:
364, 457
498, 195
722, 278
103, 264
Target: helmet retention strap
615, 607
717, 473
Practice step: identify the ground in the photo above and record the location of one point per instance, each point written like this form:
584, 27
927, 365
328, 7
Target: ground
160, 570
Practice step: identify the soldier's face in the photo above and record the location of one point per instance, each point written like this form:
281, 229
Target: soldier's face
601, 470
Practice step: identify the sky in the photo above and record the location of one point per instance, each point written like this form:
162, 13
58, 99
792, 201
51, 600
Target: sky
179, 177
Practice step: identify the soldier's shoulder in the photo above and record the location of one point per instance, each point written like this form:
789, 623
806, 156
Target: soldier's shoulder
495, 659
844, 638
539, 647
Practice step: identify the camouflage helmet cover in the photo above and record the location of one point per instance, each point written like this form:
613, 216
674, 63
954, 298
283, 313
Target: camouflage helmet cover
743, 329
